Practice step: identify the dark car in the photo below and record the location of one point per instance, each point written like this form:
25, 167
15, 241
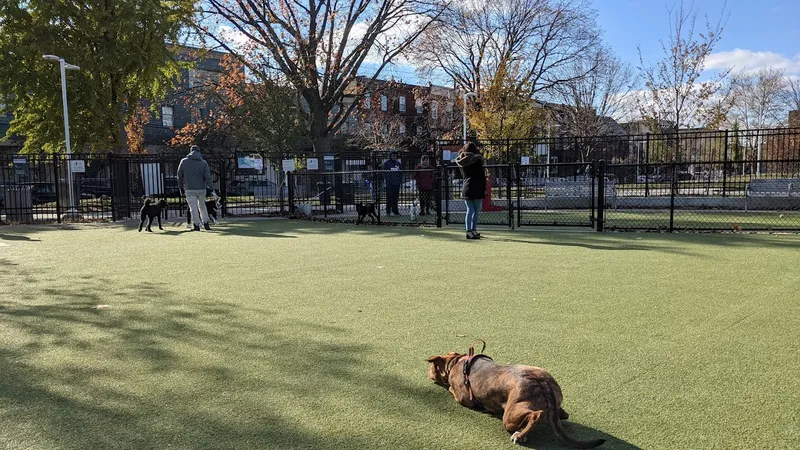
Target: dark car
43, 193
95, 187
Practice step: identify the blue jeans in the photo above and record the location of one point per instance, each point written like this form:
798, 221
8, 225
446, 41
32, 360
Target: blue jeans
473, 211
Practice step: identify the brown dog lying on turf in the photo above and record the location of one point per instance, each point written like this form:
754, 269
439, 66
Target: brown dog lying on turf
524, 395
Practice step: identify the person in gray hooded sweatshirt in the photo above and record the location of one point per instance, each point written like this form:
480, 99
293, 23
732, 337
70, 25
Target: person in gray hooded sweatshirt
194, 177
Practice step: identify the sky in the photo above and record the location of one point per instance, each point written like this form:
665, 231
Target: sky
757, 34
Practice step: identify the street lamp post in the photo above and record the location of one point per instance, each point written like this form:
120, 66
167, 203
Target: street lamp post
64, 66
464, 112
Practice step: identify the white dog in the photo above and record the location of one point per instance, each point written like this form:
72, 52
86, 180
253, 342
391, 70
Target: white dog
414, 210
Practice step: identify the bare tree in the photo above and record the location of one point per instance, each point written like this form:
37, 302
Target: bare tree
791, 93
592, 103
320, 46
380, 132
674, 90
756, 98
537, 40
599, 94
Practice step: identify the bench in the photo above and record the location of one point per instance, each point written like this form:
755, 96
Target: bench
576, 193
764, 191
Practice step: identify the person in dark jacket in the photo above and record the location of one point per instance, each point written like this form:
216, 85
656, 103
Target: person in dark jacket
473, 191
394, 179
194, 177
425, 179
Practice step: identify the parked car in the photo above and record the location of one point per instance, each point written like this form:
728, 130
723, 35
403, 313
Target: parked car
259, 188
43, 193
95, 187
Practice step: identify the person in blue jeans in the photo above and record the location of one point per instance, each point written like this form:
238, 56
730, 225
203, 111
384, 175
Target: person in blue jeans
394, 179
470, 161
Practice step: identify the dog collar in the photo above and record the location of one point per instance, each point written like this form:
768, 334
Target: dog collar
470, 359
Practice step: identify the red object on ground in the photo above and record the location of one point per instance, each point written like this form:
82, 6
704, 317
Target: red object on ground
487, 200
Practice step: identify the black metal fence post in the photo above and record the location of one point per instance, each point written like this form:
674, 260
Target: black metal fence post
724, 167
438, 181
223, 186
290, 183
518, 182
647, 166
601, 194
111, 170
509, 176
593, 214
674, 184
58, 186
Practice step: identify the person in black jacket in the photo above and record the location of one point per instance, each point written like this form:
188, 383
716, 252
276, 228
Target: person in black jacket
473, 191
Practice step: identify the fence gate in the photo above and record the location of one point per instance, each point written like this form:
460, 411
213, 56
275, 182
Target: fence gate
556, 195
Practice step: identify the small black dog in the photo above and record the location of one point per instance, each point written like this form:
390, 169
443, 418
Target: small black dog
212, 206
364, 210
152, 211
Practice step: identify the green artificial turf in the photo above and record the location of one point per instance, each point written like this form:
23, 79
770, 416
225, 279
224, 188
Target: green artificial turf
274, 334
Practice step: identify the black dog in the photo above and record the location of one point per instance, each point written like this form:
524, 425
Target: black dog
152, 211
212, 206
364, 210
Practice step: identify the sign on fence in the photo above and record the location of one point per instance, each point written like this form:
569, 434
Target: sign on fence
288, 165
328, 161
253, 162
77, 166
525, 160
20, 166
312, 164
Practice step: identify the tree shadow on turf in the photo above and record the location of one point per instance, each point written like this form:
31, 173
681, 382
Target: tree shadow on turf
102, 365
16, 237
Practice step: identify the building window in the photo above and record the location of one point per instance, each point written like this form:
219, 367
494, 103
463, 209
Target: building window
435, 110
402, 129
367, 100
385, 128
419, 106
384, 103
419, 130
166, 117
402, 103
449, 108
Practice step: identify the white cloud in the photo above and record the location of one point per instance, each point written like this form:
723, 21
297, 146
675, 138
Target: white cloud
749, 61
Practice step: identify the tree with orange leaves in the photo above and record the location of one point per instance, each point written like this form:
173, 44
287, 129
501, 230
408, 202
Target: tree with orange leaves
233, 113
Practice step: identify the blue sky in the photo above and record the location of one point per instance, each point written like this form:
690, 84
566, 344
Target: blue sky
757, 34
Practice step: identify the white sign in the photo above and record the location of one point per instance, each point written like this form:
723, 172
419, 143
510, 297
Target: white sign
288, 165
78, 165
251, 162
446, 155
312, 164
525, 160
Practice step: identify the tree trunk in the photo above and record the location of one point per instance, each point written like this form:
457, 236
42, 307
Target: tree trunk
320, 137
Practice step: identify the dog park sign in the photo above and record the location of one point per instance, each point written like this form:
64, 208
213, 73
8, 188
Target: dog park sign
20, 166
253, 162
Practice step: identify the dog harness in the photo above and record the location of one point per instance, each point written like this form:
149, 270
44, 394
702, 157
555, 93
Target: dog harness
471, 357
